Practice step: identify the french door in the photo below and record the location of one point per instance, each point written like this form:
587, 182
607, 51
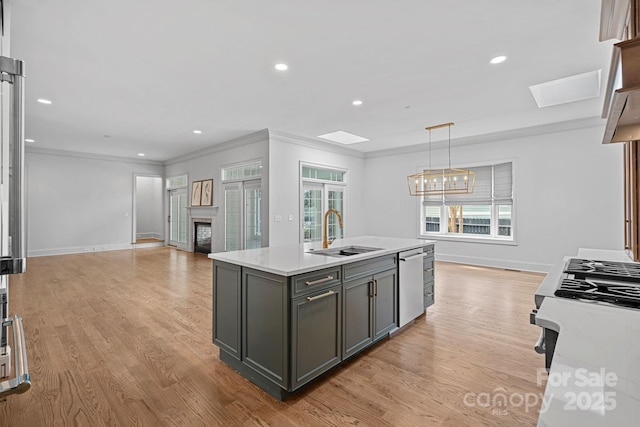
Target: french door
178, 217
316, 200
243, 215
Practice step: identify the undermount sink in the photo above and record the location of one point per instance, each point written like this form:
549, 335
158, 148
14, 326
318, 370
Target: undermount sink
343, 251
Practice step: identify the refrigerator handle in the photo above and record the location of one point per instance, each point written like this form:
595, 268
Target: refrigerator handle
13, 72
22, 381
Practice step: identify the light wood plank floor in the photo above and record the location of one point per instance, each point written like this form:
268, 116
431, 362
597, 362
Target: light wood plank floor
124, 338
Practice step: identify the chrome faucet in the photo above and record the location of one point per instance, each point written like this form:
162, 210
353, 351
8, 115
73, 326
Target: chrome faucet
325, 241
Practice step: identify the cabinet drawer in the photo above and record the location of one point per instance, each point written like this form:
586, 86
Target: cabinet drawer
428, 288
428, 271
429, 250
428, 301
369, 266
316, 280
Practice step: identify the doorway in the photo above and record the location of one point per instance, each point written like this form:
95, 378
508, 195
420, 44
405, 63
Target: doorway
148, 223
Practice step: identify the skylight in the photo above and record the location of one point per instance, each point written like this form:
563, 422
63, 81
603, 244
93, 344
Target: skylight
568, 89
343, 137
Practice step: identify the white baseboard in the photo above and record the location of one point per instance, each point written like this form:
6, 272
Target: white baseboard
148, 235
493, 262
80, 249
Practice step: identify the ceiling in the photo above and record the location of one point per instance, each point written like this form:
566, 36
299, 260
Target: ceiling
138, 76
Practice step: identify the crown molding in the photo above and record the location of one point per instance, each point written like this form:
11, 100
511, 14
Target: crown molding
556, 127
314, 143
92, 156
261, 135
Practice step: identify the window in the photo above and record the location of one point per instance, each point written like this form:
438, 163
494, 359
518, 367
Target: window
322, 189
244, 171
485, 213
177, 182
242, 206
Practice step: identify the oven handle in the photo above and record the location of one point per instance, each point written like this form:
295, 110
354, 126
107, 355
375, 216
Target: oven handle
540, 347
22, 381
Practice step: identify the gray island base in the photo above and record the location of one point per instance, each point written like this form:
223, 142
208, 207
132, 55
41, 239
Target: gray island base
281, 326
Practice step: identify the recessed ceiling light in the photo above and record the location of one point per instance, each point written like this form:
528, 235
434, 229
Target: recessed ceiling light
498, 59
44, 101
343, 137
29, 140
197, 131
357, 102
281, 67
141, 154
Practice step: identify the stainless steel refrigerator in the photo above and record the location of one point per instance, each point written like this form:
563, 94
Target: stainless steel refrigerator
14, 370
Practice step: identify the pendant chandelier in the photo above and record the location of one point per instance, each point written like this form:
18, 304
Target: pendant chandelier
433, 182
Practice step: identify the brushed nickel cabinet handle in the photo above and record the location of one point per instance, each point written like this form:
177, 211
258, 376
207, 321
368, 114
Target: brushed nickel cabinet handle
326, 294
319, 281
21, 382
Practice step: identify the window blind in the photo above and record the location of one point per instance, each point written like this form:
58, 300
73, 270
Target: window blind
503, 184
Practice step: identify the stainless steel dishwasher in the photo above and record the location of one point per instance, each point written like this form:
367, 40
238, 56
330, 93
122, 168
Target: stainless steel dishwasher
411, 286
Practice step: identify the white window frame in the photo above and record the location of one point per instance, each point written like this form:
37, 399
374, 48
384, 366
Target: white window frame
326, 186
443, 234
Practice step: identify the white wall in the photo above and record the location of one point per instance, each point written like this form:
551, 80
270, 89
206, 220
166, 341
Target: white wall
78, 203
285, 154
568, 189
149, 205
207, 164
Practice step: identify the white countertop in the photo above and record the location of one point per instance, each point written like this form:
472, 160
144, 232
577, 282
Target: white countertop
295, 259
594, 378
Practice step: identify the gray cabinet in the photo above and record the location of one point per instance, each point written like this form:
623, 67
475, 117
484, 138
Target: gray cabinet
357, 314
428, 276
385, 298
370, 302
316, 334
226, 307
265, 324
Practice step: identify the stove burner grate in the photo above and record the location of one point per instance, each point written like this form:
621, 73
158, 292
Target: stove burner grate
624, 294
584, 268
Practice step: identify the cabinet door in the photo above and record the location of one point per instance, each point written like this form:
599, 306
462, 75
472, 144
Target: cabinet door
226, 307
357, 310
316, 339
265, 315
385, 312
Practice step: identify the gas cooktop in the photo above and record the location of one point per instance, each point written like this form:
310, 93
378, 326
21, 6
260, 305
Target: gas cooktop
607, 281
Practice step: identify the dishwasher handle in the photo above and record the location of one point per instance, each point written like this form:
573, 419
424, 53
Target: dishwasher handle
412, 257
22, 381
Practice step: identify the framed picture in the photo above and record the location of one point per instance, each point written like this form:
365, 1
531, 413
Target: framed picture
196, 193
207, 193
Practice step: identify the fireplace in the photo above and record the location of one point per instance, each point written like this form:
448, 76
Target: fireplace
202, 237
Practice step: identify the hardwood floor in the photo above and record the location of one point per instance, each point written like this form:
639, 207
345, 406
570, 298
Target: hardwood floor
124, 338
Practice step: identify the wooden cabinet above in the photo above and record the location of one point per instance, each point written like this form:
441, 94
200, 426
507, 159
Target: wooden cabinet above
623, 114
619, 19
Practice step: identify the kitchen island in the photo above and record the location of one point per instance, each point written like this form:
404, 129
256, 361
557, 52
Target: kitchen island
283, 316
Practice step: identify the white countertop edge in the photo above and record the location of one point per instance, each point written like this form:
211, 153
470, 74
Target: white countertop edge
295, 259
